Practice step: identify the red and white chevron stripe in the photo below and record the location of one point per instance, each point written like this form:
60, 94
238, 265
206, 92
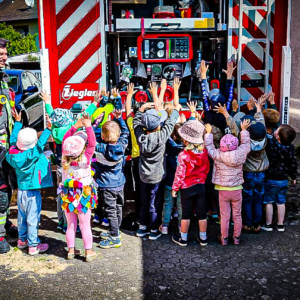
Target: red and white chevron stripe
254, 27
76, 50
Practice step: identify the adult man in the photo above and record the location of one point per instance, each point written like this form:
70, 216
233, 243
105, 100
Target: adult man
6, 173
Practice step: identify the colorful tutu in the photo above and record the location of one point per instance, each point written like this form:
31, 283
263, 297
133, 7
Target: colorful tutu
78, 198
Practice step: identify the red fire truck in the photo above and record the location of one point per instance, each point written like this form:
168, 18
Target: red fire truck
89, 44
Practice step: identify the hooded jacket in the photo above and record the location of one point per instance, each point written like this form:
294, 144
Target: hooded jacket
192, 169
228, 166
152, 148
283, 163
32, 167
110, 160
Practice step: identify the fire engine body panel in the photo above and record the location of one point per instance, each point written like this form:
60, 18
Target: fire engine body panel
89, 44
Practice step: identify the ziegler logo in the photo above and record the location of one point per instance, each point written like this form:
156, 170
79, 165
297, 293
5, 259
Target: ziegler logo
68, 93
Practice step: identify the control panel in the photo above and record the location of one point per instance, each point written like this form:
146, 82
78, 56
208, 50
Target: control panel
165, 48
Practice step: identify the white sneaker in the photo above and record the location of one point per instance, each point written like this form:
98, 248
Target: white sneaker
164, 229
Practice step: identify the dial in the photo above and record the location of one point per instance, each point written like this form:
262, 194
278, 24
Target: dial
160, 53
160, 45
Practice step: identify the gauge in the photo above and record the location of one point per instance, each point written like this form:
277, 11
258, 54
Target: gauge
160, 45
160, 53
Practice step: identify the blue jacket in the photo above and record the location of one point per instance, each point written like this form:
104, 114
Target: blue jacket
172, 151
32, 167
111, 160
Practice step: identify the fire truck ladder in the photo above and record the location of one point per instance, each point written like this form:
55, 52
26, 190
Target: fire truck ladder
244, 40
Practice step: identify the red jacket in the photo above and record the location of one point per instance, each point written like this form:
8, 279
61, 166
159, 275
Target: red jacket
192, 169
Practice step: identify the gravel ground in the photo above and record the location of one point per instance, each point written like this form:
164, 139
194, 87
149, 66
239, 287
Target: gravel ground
264, 266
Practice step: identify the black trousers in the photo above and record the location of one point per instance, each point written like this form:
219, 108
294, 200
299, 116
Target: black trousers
113, 202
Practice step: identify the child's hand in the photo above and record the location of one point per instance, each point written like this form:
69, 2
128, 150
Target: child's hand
17, 116
262, 99
146, 106
115, 92
117, 113
46, 98
48, 122
177, 106
86, 120
163, 84
199, 116
153, 89
78, 123
235, 105
104, 93
176, 83
294, 182
208, 128
97, 97
221, 109
203, 69
174, 194
192, 106
182, 118
251, 103
230, 70
271, 98
130, 89
245, 124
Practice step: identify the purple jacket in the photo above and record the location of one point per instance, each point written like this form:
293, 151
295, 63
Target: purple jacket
228, 166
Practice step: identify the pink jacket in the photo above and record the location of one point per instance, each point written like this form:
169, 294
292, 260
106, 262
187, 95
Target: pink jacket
192, 169
228, 166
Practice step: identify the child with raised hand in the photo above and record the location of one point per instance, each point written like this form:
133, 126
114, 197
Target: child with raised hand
110, 156
190, 176
228, 177
152, 129
79, 194
283, 164
33, 171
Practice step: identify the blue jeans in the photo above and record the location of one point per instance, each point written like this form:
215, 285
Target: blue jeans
29, 213
253, 193
275, 191
168, 206
151, 196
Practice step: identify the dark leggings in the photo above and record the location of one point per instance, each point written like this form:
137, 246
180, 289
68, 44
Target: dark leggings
193, 199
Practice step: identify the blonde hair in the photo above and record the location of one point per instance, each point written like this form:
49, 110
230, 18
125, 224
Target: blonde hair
169, 107
110, 132
66, 160
193, 147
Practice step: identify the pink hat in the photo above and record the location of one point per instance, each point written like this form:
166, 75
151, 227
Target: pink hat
74, 145
229, 143
192, 131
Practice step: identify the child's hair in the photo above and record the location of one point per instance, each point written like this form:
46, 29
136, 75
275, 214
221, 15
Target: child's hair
193, 147
175, 135
169, 107
272, 117
66, 160
286, 134
110, 132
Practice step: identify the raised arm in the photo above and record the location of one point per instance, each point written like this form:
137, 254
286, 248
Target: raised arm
91, 141
180, 173
229, 83
163, 87
209, 143
123, 139
130, 92
203, 71
176, 86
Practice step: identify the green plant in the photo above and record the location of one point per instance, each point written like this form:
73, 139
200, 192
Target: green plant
18, 43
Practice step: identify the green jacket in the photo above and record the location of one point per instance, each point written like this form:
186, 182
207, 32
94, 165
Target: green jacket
59, 132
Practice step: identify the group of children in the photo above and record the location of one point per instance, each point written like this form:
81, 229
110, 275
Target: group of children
228, 159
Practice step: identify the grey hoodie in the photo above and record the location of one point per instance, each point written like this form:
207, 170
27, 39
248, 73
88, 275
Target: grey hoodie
152, 148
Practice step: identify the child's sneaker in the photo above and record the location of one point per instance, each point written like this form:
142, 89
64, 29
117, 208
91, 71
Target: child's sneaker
179, 241
266, 227
105, 222
154, 235
96, 220
164, 229
41, 248
236, 240
142, 231
110, 242
106, 235
203, 242
22, 245
256, 229
280, 228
